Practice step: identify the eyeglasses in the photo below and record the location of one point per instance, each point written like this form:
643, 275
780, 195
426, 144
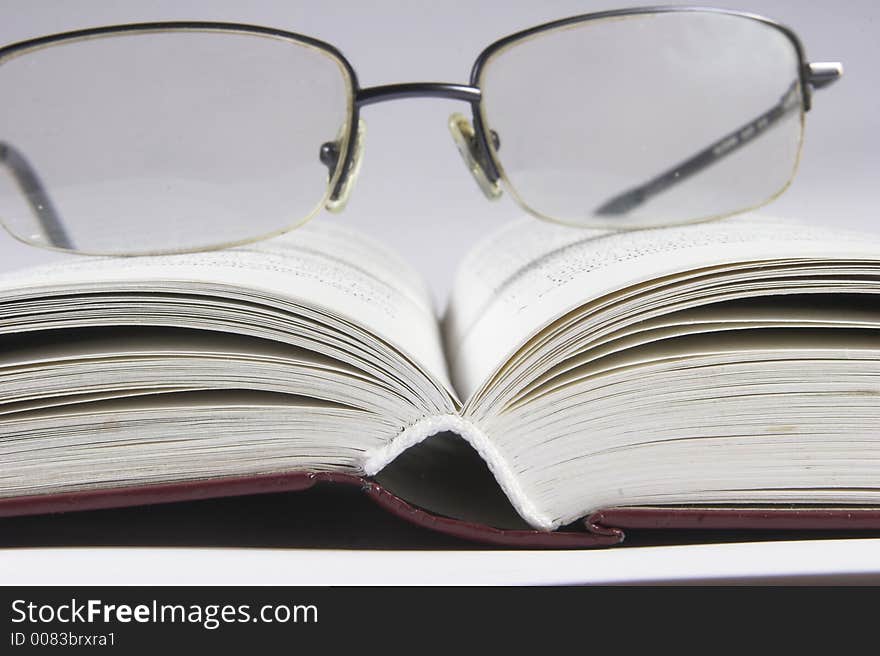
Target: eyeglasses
172, 137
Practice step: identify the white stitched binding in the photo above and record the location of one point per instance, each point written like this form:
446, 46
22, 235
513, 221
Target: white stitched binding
378, 459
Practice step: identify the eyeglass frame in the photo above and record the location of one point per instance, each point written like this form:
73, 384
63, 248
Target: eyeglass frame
811, 75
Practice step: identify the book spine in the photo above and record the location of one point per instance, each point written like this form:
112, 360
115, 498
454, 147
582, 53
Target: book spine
481, 443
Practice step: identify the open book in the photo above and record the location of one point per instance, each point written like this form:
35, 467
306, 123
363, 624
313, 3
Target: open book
727, 370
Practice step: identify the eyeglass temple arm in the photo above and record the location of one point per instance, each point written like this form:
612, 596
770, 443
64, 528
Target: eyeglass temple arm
818, 75
37, 197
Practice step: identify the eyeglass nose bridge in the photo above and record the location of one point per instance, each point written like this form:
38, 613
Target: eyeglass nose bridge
471, 140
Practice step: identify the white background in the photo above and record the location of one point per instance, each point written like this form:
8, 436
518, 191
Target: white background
415, 194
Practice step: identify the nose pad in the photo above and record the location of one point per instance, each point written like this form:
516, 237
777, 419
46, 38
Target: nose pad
330, 153
465, 139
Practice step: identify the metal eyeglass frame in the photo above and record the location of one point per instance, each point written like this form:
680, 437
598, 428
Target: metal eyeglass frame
478, 145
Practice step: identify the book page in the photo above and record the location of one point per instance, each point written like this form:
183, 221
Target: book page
532, 272
321, 266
